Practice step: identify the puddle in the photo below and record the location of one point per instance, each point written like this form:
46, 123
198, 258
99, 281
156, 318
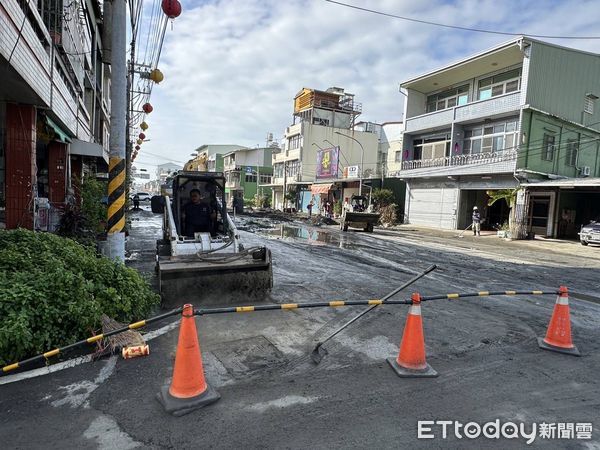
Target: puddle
313, 237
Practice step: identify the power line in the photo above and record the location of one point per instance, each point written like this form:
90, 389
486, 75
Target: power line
456, 27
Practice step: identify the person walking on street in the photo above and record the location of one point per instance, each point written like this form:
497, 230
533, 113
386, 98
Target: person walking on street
476, 222
309, 207
235, 205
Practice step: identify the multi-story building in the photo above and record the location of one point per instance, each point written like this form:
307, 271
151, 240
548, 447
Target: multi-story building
516, 114
54, 103
247, 172
209, 157
163, 171
390, 144
323, 157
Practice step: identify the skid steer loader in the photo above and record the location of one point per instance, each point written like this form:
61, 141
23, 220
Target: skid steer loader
202, 260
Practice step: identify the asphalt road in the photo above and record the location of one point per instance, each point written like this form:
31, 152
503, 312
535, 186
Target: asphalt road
273, 396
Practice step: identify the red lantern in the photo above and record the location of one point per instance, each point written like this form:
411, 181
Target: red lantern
137, 147
142, 136
147, 108
172, 8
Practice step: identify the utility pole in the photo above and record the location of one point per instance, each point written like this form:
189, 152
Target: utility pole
118, 123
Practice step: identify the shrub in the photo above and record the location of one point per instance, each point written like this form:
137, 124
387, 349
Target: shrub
383, 197
337, 208
92, 208
54, 290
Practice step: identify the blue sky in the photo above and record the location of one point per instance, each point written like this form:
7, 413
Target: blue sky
232, 68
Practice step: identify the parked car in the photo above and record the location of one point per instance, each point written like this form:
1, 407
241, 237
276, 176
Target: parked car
143, 196
590, 234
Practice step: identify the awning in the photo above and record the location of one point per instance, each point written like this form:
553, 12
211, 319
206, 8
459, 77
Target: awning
59, 134
79, 147
320, 188
566, 183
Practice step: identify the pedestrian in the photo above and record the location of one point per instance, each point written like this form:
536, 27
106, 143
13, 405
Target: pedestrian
476, 222
328, 209
235, 204
136, 202
309, 207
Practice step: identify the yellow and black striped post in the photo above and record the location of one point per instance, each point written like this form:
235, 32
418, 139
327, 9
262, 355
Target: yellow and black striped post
116, 195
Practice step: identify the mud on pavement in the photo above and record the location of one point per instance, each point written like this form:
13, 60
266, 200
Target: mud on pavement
273, 396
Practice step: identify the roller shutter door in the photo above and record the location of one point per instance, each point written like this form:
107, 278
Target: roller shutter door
434, 207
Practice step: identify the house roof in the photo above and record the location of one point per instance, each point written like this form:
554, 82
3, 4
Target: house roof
504, 55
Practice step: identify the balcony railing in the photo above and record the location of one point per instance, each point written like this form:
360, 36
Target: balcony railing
471, 111
461, 160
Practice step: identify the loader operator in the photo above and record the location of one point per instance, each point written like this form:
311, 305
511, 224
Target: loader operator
199, 216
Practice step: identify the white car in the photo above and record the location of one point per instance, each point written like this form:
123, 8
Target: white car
590, 234
143, 196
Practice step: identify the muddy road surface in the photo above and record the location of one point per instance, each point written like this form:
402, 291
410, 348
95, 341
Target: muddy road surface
273, 395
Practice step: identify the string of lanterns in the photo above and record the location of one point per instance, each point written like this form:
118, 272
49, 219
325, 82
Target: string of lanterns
172, 9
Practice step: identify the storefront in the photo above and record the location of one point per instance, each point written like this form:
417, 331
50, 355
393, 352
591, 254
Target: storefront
559, 208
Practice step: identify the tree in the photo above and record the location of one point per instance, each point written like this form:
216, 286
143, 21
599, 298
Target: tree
510, 197
291, 196
383, 197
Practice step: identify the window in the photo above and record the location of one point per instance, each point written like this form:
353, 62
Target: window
294, 142
588, 105
492, 138
250, 178
432, 148
293, 167
503, 83
548, 147
398, 156
322, 122
572, 151
278, 170
265, 179
448, 99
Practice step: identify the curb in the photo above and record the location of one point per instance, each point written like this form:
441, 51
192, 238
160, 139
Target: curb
7, 379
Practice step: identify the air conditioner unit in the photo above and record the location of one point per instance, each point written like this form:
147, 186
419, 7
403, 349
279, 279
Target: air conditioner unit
585, 171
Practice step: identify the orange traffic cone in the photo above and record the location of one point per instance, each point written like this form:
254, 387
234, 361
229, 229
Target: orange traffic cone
558, 336
411, 358
188, 390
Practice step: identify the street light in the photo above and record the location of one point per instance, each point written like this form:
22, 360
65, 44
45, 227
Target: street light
362, 157
320, 148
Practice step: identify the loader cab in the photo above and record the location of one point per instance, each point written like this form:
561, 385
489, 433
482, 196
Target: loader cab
212, 188
359, 203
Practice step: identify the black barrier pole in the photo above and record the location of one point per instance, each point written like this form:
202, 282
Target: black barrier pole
251, 308
486, 294
333, 304
90, 340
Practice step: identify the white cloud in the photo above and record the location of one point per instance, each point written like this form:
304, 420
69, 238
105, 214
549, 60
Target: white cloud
233, 67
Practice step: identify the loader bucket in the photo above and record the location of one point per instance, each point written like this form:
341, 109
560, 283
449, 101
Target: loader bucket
214, 279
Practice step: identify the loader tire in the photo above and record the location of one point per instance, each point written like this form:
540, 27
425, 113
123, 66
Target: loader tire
163, 247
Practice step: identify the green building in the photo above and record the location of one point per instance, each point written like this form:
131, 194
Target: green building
523, 114
247, 171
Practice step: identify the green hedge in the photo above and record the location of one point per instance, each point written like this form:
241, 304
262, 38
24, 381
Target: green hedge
54, 290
